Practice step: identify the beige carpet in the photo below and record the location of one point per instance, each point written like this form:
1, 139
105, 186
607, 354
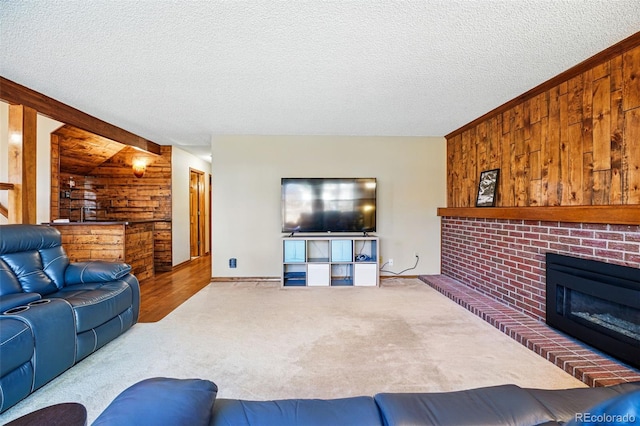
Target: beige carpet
258, 341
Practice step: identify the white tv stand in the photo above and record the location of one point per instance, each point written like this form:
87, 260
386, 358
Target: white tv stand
330, 261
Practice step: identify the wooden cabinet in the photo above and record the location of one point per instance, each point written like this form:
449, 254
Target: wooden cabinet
130, 242
309, 261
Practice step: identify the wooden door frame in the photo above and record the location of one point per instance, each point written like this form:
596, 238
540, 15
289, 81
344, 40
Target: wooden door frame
201, 215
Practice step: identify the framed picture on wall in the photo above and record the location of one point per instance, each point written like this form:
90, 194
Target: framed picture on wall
487, 188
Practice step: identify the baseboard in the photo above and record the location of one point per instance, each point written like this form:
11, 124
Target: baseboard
384, 277
252, 279
277, 279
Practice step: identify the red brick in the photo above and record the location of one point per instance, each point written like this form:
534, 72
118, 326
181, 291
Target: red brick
632, 237
595, 243
626, 247
612, 236
581, 233
632, 260
608, 254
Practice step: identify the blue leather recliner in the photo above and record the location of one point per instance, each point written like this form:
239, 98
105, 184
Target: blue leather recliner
54, 313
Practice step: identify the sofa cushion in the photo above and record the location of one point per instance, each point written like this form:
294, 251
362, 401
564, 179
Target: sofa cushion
496, 405
9, 283
19, 237
29, 270
16, 344
54, 264
354, 411
96, 303
162, 401
619, 410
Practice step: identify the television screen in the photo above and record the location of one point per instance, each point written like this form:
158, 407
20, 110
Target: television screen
328, 205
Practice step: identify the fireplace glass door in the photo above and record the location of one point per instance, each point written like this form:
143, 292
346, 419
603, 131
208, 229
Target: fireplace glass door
615, 319
597, 303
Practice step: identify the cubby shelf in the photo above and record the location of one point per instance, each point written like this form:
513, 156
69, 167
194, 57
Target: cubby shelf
319, 261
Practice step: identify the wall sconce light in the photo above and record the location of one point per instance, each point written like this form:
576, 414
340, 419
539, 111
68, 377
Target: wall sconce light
139, 167
15, 137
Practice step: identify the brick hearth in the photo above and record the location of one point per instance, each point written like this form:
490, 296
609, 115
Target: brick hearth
583, 362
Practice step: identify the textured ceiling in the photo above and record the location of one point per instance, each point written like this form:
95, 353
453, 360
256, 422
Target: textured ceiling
181, 72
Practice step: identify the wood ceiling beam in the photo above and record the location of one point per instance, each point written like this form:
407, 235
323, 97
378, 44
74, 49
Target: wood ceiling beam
14, 93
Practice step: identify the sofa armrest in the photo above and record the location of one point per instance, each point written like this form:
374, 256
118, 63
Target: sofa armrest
95, 271
162, 401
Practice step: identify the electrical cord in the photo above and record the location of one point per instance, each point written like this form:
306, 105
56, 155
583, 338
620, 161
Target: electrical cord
403, 271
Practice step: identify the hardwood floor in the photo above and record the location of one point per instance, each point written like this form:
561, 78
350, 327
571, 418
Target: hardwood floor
166, 291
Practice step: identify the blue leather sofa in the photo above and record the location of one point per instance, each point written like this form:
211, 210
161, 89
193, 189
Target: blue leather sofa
165, 401
54, 313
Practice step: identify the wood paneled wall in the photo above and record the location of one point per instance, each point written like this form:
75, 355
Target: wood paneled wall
122, 196
111, 192
571, 142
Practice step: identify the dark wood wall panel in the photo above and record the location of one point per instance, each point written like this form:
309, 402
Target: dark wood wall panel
122, 196
110, 192
574, 143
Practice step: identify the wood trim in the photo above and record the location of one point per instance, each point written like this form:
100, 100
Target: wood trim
4, 211
617, 215
15, 93
245, 279
22, 164
607, 54
387, 277
5, 186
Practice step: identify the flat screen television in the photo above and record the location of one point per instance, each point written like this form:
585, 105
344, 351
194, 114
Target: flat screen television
328, 205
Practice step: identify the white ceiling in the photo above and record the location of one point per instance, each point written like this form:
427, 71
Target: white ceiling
181, 72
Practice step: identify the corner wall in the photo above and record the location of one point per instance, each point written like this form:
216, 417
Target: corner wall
246, 195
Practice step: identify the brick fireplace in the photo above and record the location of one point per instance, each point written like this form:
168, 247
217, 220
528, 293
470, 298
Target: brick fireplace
502, 264
505, 259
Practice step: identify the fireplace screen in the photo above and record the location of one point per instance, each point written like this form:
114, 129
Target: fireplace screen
596, 302
609, 317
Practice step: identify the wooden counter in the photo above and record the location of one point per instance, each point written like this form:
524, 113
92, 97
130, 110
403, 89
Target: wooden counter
131, 242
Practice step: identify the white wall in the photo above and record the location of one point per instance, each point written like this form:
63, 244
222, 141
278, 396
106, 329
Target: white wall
45, 126
181, 164
411, 176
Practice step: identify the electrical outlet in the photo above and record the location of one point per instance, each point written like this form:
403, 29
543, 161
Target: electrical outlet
390, 262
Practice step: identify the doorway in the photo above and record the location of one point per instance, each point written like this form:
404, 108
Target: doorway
196, 212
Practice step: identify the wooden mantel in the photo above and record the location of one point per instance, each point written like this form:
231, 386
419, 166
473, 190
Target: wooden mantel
616, 215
